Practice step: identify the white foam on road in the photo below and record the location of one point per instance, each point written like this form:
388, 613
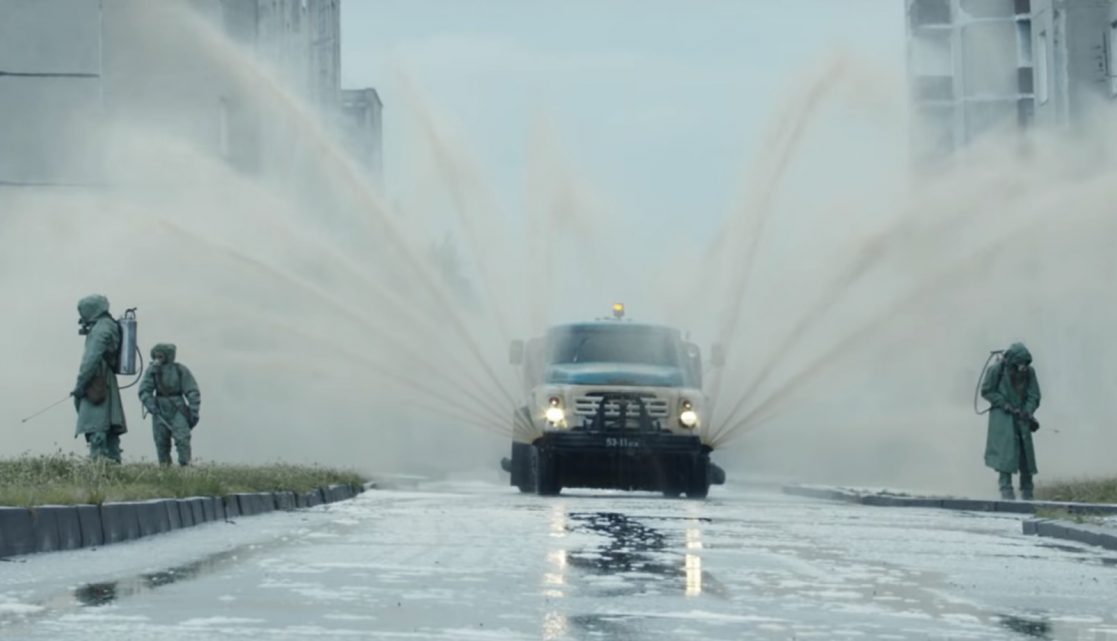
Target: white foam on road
487, 563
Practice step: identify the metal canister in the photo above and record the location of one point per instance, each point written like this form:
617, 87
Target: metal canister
126, 359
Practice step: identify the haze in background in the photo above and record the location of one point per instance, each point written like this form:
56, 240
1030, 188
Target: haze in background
740, 171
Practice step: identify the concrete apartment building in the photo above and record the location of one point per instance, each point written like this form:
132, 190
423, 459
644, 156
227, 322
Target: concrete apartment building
69, 66
361, 110
980, 65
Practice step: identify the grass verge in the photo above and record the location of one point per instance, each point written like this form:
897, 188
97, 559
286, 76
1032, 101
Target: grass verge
1079, 490
68, 479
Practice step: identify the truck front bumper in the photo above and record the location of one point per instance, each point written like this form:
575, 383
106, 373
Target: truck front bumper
655, 461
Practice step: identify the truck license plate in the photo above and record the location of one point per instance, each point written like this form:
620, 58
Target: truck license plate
621, 442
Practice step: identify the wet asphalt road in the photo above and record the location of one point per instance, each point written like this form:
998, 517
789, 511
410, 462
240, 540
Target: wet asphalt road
479, 561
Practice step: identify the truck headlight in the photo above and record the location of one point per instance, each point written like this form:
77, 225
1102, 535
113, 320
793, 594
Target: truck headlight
688, 417
555, 414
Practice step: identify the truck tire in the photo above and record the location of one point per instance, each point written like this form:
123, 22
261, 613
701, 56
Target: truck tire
521, 470
544, 472
698, 486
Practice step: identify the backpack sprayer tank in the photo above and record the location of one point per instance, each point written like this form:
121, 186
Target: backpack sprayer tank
126, 358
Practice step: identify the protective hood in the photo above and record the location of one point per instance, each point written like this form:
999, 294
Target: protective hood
614, 374
1018, 354
93, 307
167, 350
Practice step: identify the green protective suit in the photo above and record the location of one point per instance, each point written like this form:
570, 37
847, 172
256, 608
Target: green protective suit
1008, 445
170, 393
96, 392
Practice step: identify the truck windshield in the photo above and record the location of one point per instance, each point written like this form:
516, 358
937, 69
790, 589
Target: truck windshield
621, 344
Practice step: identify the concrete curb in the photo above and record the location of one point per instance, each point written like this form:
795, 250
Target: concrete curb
1067, 531
1078, 532
92, 531
48, 528
972, 505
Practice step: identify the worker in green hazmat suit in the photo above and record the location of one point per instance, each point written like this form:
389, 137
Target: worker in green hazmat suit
96, 393
1011, 388
170, 394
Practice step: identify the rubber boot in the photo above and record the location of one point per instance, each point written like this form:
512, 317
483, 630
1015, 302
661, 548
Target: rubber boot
1026, 485
1005, 482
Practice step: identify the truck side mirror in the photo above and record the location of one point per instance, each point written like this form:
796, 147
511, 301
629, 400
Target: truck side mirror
717, 355
516, 352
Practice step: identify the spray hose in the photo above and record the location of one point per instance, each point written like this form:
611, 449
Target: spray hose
981, 379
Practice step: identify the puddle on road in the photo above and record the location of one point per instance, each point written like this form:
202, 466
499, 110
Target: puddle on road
644, 558
1034, 628
620, 628
104, 593
633, 559
100, 594
636, 558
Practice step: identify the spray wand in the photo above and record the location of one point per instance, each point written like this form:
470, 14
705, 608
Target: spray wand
49, 407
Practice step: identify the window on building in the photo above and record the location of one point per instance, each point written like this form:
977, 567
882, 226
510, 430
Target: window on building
931, 54
1026, 80
988, 8
1024, 43
930, 12
1040, 66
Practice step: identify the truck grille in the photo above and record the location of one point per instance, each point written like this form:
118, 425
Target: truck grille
587, 406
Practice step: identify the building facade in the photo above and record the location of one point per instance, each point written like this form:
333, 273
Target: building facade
1072, 66
362, 128
69, 67
976, 66
970, 70
50, 91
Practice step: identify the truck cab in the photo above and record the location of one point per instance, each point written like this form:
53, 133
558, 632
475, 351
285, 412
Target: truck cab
611, 404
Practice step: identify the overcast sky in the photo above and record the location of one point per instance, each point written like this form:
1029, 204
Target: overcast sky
659, 102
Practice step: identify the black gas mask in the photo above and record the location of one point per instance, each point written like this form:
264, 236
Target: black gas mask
84, 326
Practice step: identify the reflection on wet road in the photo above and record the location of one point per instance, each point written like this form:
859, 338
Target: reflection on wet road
483, 562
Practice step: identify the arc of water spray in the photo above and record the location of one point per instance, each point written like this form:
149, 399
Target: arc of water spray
873, 253
785, 142
836, 290
417, 386
352, 175
341, 308
455, 172
413, 386
817, 367
394, 376
541, 232
562, 205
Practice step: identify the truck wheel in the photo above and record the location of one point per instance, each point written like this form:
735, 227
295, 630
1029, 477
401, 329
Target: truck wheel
698, 486
544, 472
521, 470
698, 491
